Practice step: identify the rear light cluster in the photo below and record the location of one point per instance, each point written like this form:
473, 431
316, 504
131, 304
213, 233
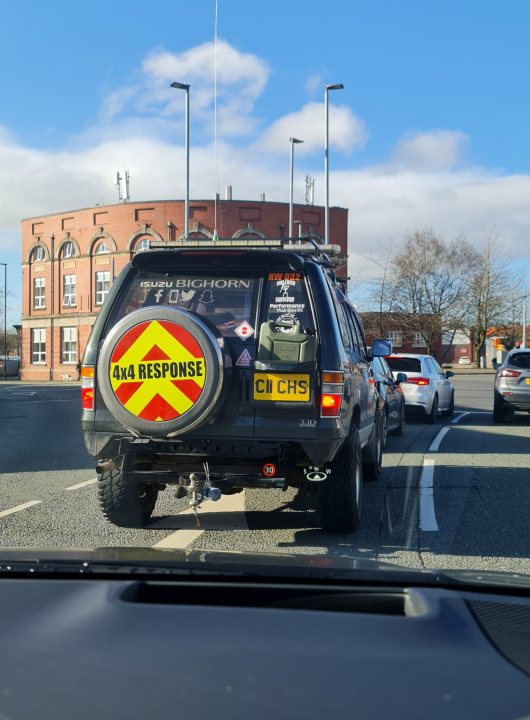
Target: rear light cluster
332, 392
88, 377
418, 380
505, 372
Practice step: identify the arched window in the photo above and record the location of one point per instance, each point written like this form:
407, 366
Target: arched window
38, 254
142, 244
68, 250
101, 248
249, 232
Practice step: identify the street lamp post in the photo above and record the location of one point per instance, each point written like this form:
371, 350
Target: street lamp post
293, 141
336, 86
186, 88
5, 320
523, 339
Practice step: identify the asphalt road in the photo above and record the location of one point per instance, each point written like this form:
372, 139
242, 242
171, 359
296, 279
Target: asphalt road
453, 499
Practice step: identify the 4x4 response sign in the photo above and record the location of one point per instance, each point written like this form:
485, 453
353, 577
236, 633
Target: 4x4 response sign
157, 370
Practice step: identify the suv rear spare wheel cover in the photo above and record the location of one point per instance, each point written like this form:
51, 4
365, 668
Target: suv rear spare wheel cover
160, 371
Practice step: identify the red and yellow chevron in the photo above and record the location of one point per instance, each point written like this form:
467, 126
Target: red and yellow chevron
157, 370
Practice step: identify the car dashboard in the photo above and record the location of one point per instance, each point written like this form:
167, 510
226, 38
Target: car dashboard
101, 647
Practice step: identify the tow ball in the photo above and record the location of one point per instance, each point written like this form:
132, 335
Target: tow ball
197, 489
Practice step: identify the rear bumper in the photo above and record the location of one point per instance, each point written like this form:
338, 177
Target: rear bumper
514, 400
226, 454
417, 399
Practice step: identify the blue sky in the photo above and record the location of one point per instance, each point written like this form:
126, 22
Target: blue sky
431, 129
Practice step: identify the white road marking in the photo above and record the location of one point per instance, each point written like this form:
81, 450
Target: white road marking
228, 513
438, 439
427, 515
82, 484
463, 414
18, 508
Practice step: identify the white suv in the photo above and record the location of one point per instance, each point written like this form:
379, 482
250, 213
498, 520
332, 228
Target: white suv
427, 388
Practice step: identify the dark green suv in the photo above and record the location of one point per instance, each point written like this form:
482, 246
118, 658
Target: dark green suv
216, 366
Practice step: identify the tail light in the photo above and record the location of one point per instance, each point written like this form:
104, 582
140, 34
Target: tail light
418, 380
332, 392
88, 377
505, 372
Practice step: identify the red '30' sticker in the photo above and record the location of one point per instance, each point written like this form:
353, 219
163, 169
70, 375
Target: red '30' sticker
269, 469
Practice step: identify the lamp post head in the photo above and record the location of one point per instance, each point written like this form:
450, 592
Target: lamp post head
180, 86
336, 86
295, 140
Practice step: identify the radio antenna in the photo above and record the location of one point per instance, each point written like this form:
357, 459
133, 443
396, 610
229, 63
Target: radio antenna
215, 235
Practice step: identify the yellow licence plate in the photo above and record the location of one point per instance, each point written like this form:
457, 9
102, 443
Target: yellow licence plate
528, 381
282, 387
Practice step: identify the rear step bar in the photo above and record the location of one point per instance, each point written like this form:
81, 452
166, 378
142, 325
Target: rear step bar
167, 477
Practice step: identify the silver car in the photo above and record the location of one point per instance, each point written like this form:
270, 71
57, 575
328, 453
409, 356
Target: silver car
512, 385
427, 388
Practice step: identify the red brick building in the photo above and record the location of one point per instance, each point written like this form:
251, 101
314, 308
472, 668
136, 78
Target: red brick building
70, 259
418, 334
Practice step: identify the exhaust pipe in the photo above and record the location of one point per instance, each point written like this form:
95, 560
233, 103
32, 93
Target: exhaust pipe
105, 466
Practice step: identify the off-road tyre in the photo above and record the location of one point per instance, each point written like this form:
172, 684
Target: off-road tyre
124, 503
339, 497
374, 454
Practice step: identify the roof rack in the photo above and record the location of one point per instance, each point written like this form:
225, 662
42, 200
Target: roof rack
301, 246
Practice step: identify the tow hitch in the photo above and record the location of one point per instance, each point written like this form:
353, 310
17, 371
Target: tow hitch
197, 489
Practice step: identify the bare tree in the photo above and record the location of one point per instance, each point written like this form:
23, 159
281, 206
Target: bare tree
490, 292
430, 283
380, 296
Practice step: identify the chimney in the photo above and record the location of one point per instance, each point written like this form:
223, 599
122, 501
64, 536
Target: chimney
228, 192
262, 197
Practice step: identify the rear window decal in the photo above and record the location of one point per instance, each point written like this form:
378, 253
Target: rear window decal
296, 277
244, 359
244, 331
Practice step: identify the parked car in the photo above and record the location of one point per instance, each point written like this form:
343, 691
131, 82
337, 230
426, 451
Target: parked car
215, 368
464, 360
389, 388
512, 385
427, 389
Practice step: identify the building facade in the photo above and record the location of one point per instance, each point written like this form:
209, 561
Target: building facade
417, 334
70, 260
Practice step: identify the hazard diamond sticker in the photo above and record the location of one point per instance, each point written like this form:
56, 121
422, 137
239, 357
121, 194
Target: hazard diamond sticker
244, 330
157, 370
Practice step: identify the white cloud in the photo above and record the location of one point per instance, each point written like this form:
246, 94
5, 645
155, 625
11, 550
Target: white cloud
435, 150
314, 84
346, 131
241, 78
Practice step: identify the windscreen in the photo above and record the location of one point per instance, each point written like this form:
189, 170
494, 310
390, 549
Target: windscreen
427, 203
